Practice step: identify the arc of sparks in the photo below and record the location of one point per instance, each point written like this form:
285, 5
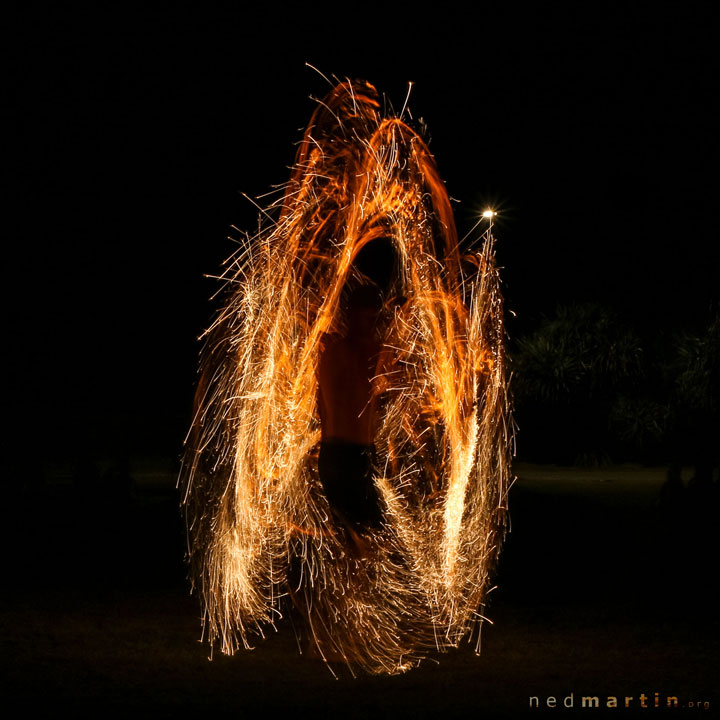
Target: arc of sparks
261, 531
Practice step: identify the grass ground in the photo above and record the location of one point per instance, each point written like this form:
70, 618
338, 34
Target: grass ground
599, 594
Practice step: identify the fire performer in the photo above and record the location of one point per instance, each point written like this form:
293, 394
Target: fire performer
339, 410
347, 406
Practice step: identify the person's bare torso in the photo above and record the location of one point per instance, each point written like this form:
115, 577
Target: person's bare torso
346, 370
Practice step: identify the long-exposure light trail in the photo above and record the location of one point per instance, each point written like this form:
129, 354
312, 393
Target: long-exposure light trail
262, 534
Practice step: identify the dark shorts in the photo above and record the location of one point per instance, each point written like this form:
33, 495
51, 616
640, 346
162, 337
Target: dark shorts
346, 476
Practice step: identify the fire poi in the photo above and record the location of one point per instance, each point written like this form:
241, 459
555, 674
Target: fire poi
364, 230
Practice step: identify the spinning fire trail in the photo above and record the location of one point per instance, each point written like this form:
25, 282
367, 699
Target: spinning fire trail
263, 535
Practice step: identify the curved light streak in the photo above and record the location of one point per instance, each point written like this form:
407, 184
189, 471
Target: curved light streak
261, 533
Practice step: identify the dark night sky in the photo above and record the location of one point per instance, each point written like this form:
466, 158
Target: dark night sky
133, 135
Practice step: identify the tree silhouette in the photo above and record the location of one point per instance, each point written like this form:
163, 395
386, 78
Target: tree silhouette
692, 373
568, 376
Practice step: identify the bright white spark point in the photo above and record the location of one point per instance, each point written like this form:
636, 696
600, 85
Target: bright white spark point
263, 537
489, 214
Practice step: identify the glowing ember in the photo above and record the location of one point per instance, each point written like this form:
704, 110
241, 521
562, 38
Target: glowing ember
261, 530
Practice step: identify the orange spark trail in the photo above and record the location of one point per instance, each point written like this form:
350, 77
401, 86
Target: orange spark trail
261, 530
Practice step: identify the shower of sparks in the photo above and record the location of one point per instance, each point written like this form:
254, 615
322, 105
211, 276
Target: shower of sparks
261, 533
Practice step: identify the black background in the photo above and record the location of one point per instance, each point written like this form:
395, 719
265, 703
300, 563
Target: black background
134, 134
